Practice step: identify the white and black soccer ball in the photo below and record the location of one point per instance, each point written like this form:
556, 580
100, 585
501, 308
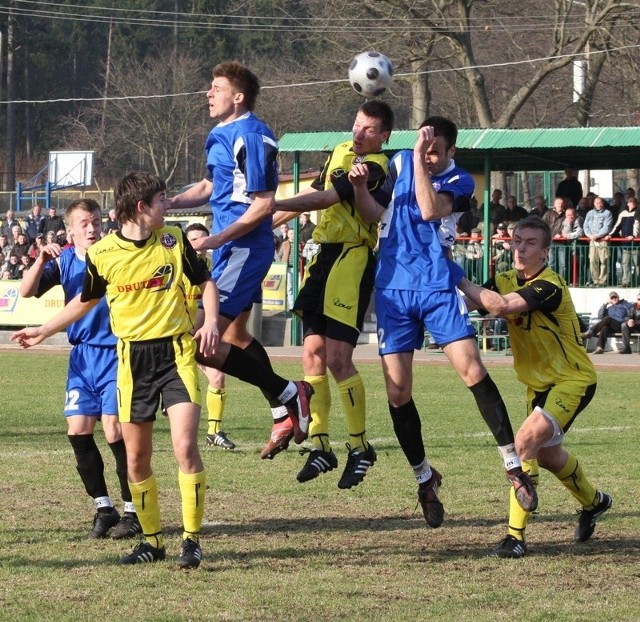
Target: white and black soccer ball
370, 74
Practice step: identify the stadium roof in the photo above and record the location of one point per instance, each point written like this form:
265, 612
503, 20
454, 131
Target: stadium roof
538, 149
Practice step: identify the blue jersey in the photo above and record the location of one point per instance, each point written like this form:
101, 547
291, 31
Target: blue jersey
68, 270
411, 255
242, 159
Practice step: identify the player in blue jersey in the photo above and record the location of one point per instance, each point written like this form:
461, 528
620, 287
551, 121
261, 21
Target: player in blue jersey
241, 182
91, 381
416, 289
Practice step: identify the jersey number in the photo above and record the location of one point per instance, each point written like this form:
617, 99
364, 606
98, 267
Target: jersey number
72, 400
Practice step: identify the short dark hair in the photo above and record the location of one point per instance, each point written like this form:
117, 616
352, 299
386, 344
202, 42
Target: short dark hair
535, 222
443, 127
242, 79
196, 226
379, 110
136, 187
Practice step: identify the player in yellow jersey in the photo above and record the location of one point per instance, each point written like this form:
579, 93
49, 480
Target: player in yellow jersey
335, 294
216, 393
550, 359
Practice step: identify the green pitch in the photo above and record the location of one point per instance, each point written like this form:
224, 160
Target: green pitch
277, 550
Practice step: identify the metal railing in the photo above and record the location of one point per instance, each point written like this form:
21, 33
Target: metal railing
620, 260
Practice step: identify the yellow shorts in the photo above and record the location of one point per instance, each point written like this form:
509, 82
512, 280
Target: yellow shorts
563, 401
155, 369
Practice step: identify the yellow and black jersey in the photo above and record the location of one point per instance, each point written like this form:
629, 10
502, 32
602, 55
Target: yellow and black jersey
341, 223
193, 293
546, 341
143, 283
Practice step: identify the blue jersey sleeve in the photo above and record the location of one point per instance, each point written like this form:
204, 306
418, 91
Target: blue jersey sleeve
50, 277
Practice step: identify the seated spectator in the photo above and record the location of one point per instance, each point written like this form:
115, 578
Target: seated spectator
4, 244
25, 264
36, 247
539, 206
3, 263
13, 267
22, 246
611, 315
50, 237
6, 275
630, 325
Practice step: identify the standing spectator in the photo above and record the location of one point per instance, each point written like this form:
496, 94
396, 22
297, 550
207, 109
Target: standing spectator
597, 226
284, 230
570, 187
34, 223
286, 256
514, 212
10, 223
624, 229
630, 325
500, 254
474, 253
470, 220
583, 208
111, 224
415, 290
611, 315
539, 206
617, 204
306, 229
550, 360
571, 231
554, 218
53, 222
496, 209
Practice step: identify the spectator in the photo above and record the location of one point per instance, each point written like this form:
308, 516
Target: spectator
25, 264
9, 224
50, 237
499, 254
611, 315
5, 247
286, 256
597, 226
496, 209
571, 231
22, 245
306, 229
617, 204
6, 275
583, 208
16, 230
474, 256
53, 222
624, 229
514, 212
3, 263
37, 246
470, 220
284, 228
111, 224
570, 187
554, 218
539, 206
34, 223
630, 325
13, 267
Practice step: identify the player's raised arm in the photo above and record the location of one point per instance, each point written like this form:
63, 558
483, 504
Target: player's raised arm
307, 200
72, 312
31, 277
195, 196
370, 210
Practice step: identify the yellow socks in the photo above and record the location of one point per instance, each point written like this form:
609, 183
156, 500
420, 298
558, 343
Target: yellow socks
352, 395
518, 518
216, 399
575, 481
145, 498
320, 409
192, 487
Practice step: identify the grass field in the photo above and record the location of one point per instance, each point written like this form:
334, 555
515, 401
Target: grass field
278, 550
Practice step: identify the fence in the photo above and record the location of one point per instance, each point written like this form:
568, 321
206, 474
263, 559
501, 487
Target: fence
570, 259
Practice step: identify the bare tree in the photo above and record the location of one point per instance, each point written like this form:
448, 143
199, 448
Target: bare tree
146, 124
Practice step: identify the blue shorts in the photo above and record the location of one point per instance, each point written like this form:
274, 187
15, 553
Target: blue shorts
238, 273
404, 315
91, 381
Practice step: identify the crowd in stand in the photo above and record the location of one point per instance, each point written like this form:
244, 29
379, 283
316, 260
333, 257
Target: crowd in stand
21, 241
610, 229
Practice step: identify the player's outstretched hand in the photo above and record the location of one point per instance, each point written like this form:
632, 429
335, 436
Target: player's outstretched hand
359, 174
28, 337
207, 337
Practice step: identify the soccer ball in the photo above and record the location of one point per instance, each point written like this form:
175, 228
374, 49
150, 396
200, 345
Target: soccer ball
370, 74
